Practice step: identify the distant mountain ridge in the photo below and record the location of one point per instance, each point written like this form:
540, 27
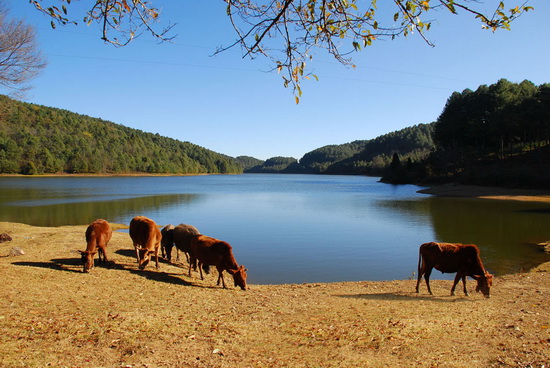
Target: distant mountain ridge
37, 139
361, 157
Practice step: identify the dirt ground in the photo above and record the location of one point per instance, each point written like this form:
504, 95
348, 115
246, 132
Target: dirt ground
474, 191
52, 314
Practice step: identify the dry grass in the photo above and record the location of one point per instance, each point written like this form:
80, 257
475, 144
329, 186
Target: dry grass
51, 314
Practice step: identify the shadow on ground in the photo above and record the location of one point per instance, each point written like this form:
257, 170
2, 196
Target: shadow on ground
401, 296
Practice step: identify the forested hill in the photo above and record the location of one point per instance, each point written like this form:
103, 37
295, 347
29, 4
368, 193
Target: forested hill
358, 157
37, 139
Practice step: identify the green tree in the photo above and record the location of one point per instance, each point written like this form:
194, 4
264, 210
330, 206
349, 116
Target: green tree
55, 140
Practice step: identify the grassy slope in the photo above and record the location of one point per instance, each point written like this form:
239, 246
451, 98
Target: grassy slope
118, 316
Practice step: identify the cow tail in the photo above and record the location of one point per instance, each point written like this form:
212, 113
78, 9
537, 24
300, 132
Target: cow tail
419, 258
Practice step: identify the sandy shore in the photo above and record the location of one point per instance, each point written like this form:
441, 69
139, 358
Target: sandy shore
457, 190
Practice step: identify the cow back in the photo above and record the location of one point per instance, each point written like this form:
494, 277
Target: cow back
452, 257
212, 251
145, 232
99, 232
167, 235
183, 234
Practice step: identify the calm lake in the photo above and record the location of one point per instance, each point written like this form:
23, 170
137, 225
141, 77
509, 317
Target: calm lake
295, 228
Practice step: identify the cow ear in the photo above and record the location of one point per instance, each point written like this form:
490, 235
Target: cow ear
232, 272
476, 277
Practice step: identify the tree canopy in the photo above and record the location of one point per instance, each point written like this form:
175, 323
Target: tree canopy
498, 120
289, 32
36, 139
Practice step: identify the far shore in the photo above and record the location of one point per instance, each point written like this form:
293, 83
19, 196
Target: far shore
498, 193
62, 175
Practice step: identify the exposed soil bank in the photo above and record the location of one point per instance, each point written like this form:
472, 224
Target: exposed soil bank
457, 190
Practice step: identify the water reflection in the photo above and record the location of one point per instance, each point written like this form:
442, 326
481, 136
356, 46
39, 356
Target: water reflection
505, 231
39, 212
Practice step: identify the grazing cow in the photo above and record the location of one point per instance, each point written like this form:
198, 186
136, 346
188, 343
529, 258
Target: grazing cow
146, 237
450, 258
182, 237
211, 251
98, 235
167, 242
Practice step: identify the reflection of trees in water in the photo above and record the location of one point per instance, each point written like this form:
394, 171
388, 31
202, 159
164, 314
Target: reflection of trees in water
81, 213
502, 229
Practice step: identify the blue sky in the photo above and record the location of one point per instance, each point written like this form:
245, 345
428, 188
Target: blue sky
234, 106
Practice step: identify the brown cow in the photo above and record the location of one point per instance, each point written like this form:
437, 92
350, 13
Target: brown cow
211, 251
167, 242
182, 237
146, 237
450, 258
98, 235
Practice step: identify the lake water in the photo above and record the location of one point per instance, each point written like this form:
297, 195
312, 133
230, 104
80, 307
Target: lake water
295, 228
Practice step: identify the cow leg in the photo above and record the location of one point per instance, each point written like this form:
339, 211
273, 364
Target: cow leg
220, 272
457, 278
157, 257
102, 253
427, 278
420, 273
190, 264
464, 283
200, 270
136, 247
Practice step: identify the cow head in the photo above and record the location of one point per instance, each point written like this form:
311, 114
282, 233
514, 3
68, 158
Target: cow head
87, 259
239, 276
484, 283
145, 256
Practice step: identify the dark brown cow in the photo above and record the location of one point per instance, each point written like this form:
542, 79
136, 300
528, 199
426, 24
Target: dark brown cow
98, 235
167, 242
182, 237
450, 258
146, 237
211, 251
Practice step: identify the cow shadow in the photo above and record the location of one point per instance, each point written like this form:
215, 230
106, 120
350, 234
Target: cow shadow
130, 253
160, 276
406, 296
169, 277
66, 264
48, 265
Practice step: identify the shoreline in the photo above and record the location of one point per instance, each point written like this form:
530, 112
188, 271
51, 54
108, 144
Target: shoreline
494, 193
27, 232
